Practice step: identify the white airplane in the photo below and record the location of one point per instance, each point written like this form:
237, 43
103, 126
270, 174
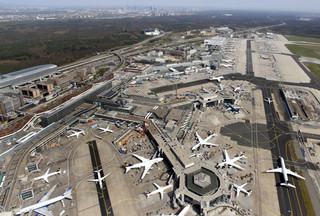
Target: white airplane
182, 213
285, 172
100, 179
203, 142
226, 66
240, 188
105, 129
237, 89
44, 202
227, 162
205, 90
146, 163
76, 133
228, 61
268, 100
159, 190
46, 176
219, 78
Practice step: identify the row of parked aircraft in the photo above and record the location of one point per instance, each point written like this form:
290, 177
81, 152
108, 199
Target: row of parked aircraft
77, 133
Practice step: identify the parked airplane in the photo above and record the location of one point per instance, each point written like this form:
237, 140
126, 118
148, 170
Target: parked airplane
203, 142
146, 163
232, 108
268, 100
226, 66
182, 213
47, 175
205, 90
237, 89
285, 172
228, 61
227, 162
44, 202
220, 86
105, 129
76, 133
240, 188
159, 190
219, 78
100, 179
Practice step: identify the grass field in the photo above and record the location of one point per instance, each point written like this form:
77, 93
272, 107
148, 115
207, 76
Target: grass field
306, 39
302, 50
315, 68
302, 184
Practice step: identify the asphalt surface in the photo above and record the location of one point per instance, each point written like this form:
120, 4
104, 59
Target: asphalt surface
103, 195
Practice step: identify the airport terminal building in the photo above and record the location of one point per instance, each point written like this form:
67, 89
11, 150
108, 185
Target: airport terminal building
27, 75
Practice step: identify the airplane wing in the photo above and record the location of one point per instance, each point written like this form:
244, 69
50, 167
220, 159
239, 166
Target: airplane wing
226, 155
141, 158
198, 137
105, 176
238, 191
161, 194
157, 186
146, 169
43, 211
45, 178
208, 138
46, 196
195, 146
278, 170
184, 211
289, 172
93, 180
235, 165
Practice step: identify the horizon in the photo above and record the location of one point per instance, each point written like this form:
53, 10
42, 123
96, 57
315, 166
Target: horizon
284, 5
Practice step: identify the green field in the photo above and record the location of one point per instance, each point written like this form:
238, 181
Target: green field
315, 68
306, 39
303, 50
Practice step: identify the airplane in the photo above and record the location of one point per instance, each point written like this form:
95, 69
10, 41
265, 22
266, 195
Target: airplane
205, 90
232, 108
76, 133
182, 213
100, 179
230, 162
159, 190
240, 188
44, 202
146, 163
226, 65
268, 100
228, 61
220, 86
285, 172
105, 129
203, 142
47, 175
217, 78
237, 89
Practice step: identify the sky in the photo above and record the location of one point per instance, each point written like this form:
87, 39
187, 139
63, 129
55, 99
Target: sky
287, 5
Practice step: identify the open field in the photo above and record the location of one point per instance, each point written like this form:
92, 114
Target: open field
315, 68
306, 39
308, 51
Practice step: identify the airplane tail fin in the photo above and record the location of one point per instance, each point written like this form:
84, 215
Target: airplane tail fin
287, 185
127, 169
67, 194
59, 171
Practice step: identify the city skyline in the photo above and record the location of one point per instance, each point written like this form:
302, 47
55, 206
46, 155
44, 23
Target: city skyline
284, 5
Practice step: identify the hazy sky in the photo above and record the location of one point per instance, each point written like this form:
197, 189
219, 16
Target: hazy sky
292, 5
